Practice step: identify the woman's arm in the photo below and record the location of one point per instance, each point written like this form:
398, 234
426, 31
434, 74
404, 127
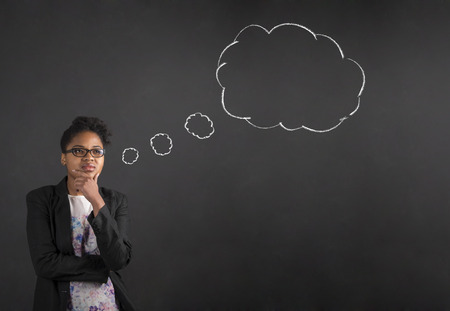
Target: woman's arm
47, 260
111, 234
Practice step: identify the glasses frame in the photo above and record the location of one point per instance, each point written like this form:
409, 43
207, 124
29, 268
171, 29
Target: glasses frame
86, 152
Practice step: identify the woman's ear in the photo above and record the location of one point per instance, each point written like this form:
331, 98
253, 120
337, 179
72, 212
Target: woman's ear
63, 159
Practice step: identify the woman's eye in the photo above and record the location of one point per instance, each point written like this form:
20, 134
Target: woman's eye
77, 151
97, 152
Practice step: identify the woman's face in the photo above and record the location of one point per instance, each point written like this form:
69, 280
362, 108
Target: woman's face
88, 164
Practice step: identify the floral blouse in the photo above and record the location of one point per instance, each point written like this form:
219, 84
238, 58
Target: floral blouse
87, 296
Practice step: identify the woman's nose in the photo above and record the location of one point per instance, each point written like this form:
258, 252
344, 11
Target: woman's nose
88, 156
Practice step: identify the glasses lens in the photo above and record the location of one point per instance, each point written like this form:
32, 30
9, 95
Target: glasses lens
79, 152
97, 153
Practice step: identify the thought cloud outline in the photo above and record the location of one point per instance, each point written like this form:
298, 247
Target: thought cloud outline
128, 149
201, 116
280, 124
154, 148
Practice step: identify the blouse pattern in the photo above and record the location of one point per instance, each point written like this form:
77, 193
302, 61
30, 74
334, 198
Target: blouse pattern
87, 296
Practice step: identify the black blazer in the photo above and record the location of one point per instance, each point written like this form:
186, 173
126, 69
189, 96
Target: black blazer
49, 239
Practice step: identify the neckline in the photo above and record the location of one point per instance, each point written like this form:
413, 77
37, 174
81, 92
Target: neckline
75, 196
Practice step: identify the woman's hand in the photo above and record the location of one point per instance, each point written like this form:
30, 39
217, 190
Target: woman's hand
88, 186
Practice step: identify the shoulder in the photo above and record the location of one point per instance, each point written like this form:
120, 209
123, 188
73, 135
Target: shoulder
41, 199
48, 192
113, 195
41, 193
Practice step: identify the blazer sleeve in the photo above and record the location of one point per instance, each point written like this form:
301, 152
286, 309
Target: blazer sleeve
111, 234
47, 260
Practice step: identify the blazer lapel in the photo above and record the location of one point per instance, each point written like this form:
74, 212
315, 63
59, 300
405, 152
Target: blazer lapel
63, 223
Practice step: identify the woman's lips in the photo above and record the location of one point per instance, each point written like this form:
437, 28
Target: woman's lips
88, 168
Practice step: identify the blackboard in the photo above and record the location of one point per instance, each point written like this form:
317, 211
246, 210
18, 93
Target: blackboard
243, 218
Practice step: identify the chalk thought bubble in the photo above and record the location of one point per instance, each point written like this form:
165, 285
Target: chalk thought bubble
130, 156
199, 125
161, 144
288, 77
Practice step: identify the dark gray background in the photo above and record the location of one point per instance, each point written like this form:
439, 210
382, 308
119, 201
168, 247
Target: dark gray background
249, 219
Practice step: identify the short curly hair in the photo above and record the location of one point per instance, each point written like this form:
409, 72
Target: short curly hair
82, 124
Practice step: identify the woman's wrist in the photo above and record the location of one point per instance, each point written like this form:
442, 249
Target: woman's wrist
97, 204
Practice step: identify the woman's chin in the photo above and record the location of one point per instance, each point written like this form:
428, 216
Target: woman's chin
91, 174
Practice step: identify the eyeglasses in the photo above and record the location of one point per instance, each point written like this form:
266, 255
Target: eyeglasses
82, 152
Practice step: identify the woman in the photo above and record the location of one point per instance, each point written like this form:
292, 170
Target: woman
77, 232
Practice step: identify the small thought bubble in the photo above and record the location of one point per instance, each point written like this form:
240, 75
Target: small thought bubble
161, 144
199, 125
130, 156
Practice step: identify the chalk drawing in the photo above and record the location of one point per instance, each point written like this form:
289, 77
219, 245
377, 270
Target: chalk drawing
161, 144
269, 42
199, 125
130, 150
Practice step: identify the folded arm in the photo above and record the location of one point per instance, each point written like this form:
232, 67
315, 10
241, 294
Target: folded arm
111, 234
